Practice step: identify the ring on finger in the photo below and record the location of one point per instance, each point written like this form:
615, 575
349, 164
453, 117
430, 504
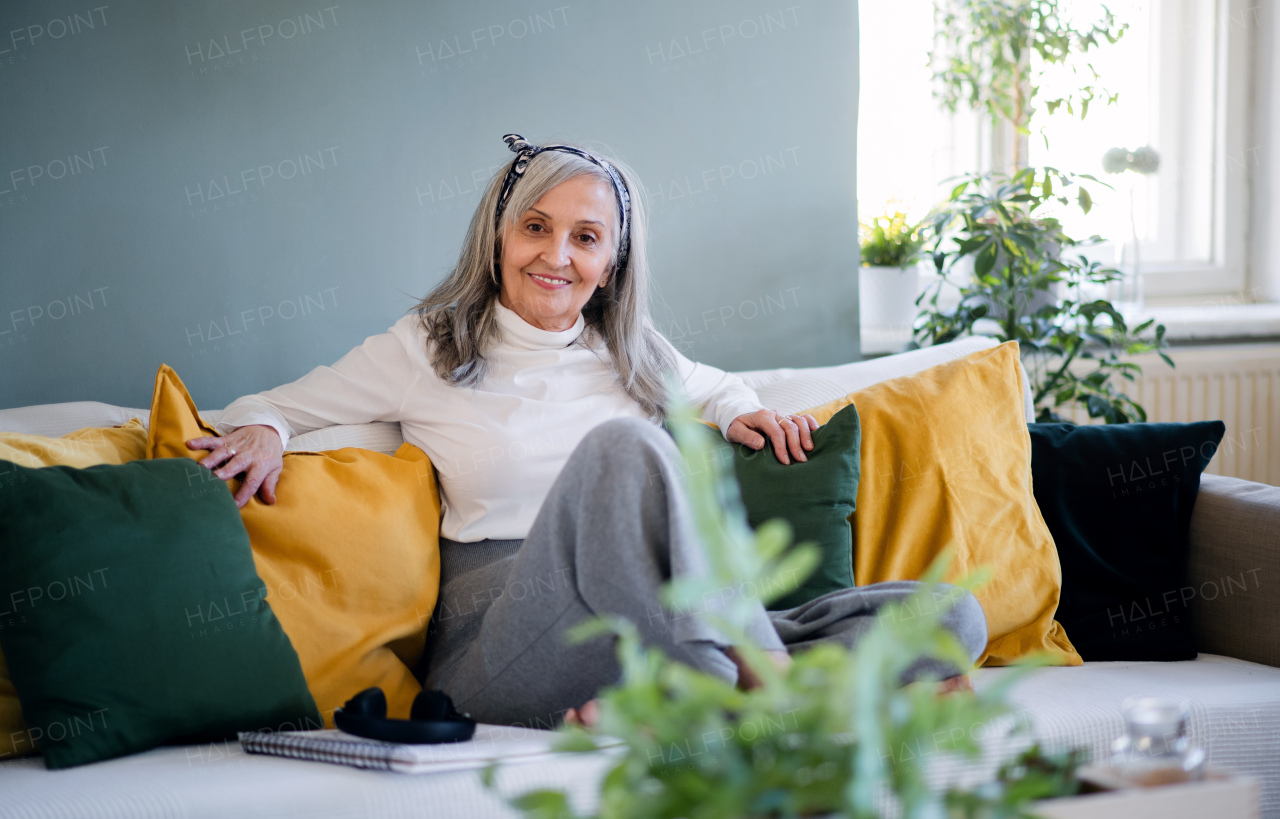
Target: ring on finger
231, 451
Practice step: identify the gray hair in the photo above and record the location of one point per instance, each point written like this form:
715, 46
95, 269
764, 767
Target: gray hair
460, 318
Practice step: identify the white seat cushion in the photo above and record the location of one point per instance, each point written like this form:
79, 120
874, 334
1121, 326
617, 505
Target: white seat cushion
218, 781
1235, 709
1235, 716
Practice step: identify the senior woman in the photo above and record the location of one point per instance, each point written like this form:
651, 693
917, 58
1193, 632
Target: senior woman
534, 379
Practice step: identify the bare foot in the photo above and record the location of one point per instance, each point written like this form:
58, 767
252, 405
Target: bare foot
586, 717
958, 683
747, 677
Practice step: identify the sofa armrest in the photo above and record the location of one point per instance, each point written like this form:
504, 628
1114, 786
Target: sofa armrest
1234, 569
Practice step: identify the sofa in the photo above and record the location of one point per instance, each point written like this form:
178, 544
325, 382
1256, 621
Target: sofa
1233, 685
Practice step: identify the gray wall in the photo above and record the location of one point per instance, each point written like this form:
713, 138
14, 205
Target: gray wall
245, 190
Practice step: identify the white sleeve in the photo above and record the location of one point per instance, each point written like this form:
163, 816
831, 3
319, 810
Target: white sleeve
721, 396
367, 384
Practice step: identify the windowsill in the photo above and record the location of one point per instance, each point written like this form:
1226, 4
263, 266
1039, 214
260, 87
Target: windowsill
1184, 325
878, 341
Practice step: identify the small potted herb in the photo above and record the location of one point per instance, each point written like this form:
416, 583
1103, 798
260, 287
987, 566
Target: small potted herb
888, 279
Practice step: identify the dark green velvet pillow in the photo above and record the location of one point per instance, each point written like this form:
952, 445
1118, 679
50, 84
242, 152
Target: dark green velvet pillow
815, 496
1118, 501
136, 617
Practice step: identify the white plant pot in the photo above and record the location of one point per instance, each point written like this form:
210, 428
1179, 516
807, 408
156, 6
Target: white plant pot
887, 297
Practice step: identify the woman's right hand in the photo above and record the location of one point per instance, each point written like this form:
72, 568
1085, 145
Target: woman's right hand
255, 449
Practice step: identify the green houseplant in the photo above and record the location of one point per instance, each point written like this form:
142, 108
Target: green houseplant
1026, 285
891, 248
984, 59
889, 240
834, 735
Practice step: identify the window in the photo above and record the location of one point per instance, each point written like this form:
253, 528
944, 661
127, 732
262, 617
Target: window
1181, 71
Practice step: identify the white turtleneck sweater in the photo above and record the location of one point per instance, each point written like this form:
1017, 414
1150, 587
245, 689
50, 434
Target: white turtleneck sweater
496, 448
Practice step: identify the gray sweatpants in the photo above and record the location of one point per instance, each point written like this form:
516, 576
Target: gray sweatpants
614, 527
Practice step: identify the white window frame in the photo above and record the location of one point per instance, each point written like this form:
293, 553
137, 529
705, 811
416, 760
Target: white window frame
1226, 277
1226, 273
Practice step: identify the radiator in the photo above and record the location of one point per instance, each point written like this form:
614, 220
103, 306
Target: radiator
1237, 384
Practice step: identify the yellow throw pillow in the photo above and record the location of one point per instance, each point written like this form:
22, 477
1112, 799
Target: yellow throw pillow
85, 447
349, 552
946, 460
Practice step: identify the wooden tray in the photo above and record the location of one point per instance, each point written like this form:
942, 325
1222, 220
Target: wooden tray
1219, 795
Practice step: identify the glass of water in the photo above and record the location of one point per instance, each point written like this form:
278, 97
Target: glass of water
1156, 748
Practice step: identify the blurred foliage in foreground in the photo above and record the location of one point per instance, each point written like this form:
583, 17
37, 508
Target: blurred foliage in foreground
836, 734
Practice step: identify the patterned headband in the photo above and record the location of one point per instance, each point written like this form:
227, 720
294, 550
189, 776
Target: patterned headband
524, 152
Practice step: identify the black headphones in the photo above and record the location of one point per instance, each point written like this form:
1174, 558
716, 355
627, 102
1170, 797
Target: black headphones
432, 720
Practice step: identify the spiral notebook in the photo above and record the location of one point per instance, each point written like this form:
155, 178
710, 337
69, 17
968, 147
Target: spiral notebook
501, 743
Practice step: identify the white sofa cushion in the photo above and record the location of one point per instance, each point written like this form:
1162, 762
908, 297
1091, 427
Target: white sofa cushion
379, 436
1235, 709
59, 419
1235, 716
785, 389
219, 780
792, 390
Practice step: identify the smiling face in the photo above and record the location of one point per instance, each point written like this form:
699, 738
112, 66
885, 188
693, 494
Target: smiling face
557, 252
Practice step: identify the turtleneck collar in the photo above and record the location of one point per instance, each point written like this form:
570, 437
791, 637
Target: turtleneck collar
522, 335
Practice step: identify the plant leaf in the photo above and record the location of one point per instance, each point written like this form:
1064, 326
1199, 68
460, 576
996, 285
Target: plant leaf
986, 259
1086, 201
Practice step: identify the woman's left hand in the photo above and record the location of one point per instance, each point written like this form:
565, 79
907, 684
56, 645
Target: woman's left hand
791, 435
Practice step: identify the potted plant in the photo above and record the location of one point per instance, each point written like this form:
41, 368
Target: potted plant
888, 279
1026, 285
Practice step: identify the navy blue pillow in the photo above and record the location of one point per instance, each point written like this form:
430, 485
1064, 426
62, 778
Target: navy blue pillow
1118, 501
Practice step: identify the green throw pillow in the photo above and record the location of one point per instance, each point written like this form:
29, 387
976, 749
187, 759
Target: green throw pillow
815, 496
135, 615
